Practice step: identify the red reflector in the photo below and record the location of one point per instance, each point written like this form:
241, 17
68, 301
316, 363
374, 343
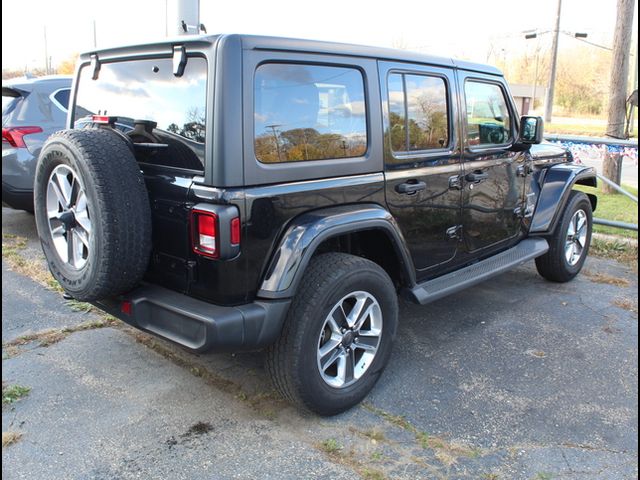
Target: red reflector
204, 239
125, 307
13, 135
235, 231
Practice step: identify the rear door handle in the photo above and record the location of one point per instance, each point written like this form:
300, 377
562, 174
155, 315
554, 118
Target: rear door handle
476, 176
411, 187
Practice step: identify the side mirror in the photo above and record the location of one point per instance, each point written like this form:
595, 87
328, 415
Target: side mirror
531, 130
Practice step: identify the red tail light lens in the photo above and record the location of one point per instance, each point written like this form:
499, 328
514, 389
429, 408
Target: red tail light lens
14, 135
235, 231
204, 225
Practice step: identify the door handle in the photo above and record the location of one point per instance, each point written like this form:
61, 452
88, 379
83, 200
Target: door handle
411, 187
476, 176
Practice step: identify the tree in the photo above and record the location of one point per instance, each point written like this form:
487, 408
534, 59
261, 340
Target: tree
68, 65
618, 87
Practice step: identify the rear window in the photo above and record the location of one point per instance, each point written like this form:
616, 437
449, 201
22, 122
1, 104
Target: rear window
308, 112
152, 105
9, 104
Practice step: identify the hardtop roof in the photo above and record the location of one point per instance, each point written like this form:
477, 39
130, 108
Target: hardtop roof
258, 42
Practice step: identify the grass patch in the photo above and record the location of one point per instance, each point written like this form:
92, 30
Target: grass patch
615, 250
34, 268
626, 304
446, 452
48, 337
606, 279
586, 129
377, 456
614, 206
330, 446
78, 306
13, 393
371, 474
336, 452
543, 476
373, 434
9, 438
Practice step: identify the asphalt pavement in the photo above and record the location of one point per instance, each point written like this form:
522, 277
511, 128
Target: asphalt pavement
517, 378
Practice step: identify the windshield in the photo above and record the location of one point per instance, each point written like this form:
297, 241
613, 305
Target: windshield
152, 105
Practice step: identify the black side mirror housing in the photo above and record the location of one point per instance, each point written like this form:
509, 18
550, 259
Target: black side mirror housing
531, 130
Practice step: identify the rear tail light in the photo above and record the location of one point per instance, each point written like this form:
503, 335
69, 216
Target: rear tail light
215, 231
205, 226
14, 135
235, 231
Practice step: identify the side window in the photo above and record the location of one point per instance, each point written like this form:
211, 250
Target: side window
418, 112
61, 98
488, 119
308, 112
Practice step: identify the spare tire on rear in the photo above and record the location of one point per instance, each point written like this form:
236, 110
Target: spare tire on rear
92, 213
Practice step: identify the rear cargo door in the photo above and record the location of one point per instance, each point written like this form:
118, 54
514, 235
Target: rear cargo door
165, 115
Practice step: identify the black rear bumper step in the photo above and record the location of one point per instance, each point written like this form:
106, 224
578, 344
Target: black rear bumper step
454, 282
197, 325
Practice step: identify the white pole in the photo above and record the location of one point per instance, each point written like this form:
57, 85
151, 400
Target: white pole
183, 14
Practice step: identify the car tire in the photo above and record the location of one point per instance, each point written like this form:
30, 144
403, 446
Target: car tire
569, 244
92, 213
339, 286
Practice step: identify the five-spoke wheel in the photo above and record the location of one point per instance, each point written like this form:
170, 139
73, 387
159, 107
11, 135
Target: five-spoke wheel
68, 214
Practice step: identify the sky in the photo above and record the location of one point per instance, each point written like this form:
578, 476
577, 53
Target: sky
468, 29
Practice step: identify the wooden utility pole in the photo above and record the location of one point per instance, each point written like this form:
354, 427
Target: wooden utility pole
548, 108
612, 168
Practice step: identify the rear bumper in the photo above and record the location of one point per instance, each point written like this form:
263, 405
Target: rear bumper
18, 199
197, 325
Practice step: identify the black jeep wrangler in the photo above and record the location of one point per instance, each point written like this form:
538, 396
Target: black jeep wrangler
237, 193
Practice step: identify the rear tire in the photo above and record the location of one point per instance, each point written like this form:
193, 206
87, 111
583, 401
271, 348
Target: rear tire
335, 283
569, 244
92, 213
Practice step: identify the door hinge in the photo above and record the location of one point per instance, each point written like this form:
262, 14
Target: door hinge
524, 170
455, 182
454, 232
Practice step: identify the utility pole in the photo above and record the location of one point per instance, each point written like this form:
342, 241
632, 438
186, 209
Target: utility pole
548, 109
46, 53
612, 167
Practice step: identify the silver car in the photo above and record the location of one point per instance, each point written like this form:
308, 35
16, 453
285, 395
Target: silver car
32, 109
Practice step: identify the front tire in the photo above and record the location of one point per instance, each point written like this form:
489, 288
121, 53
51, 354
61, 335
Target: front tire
337, 336
569, 244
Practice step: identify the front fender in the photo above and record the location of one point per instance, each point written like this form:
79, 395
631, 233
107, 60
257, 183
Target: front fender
309, 230
557, 182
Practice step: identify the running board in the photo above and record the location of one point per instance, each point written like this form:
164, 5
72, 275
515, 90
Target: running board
454, 282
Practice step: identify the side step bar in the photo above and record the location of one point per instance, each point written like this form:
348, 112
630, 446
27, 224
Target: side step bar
454, 282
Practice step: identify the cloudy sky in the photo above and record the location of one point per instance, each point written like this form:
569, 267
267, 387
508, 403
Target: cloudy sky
462, 28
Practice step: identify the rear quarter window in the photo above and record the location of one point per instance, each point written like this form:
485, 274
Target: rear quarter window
61, 98
308, 112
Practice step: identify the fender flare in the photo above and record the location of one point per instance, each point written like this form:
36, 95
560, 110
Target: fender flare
557, 182
306, 232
